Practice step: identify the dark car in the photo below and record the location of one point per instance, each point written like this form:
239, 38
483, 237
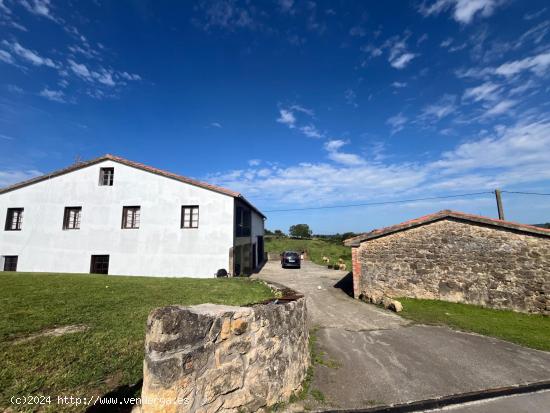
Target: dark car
290, 259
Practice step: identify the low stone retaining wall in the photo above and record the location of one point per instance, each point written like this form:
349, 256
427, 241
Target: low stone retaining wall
214, 358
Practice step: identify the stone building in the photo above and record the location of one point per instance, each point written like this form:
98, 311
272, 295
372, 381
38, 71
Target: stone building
456, 257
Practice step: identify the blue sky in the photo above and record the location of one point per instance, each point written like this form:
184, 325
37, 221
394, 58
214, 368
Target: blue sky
296, 104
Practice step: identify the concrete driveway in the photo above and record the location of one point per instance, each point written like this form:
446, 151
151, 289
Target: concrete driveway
384, 359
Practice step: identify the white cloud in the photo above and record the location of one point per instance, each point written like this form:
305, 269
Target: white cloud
520, 146
80, 69
422, 39
216, 125
287, 6
29, 55
397, 122
446, 43
130, 76
254, 162
15, 89
333, 148
93, 71
538, 64
39, 7
485, 91
334, 145
227, 15
398, 54
351, 97
4, 7
11, 177
105, 77
502, 107
311, 131
399, 85
442, 108
402, 61
6, 57
54, 95
286, 117
464, 11
399, 57
372, 50
6, 137
299, 108
535, 14
509, 156
348, 159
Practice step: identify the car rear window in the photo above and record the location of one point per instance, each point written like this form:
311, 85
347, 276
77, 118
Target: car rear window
291, 255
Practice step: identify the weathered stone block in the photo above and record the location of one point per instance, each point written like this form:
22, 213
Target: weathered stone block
235, 359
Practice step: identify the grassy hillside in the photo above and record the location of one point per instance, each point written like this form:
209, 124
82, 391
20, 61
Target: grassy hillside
109, 353
315, 248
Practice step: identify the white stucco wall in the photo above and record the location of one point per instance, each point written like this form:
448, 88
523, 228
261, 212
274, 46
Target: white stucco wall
158, 248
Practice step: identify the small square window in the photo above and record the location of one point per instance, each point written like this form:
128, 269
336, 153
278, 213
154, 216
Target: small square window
190, 216
99, 264
14, 219
130, 217
10, 263
71, 218
106, 176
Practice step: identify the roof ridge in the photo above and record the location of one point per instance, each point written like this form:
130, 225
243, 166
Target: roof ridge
375, 233
115, 158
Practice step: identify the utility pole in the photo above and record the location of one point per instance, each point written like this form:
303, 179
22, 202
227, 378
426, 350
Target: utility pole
499, 204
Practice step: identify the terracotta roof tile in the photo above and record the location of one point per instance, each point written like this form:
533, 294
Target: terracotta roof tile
447, 213
133, 164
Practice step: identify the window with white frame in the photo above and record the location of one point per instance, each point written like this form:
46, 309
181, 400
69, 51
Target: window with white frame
190, 216
71, 218
14, 219
106, 176
130, 217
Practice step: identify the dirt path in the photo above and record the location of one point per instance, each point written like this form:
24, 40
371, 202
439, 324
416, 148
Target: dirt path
383, 359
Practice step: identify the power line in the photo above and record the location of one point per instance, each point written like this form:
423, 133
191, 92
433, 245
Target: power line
382, 202
525, 193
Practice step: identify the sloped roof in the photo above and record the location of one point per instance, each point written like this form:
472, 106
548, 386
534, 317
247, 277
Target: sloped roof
445, 214
109, 157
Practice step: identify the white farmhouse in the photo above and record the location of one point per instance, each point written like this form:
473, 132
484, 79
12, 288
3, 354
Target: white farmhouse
114, 216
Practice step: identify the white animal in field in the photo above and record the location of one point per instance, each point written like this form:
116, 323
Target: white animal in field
342, 266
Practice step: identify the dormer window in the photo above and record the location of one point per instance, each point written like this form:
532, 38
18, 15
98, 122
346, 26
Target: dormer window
106, 176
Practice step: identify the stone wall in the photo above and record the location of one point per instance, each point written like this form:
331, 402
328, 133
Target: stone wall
460, 262
212, 358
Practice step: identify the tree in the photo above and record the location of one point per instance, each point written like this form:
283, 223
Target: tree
300, 231
279, 233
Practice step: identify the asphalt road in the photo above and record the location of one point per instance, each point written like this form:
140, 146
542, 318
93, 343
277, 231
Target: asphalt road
383, 359
522, 403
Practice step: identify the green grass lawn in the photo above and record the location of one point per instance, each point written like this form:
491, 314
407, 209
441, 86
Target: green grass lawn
315, 248
528, 330
110, 353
